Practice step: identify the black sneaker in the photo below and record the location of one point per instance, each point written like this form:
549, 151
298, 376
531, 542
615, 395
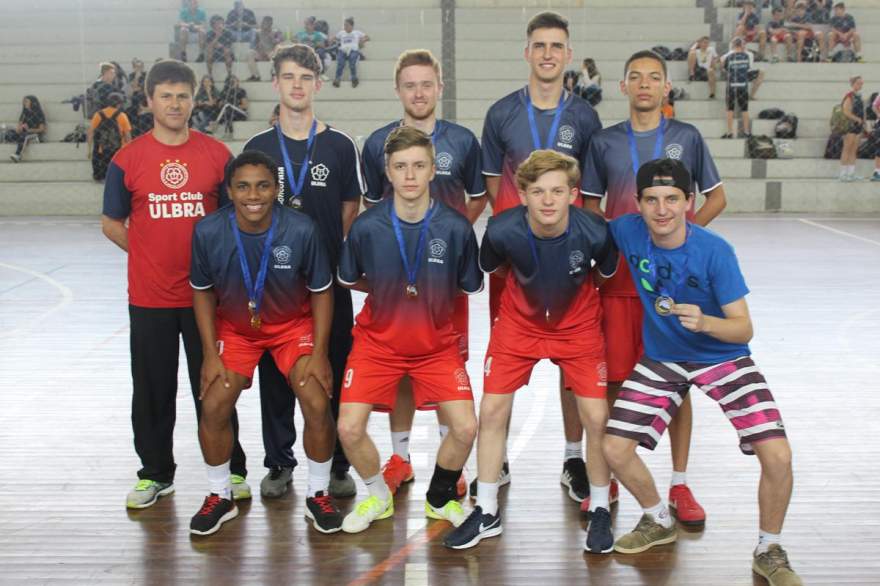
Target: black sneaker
600, 539
336, 83
574, 477
727, 135
503, 478
214, 512
474, 529
323, 512
354, 83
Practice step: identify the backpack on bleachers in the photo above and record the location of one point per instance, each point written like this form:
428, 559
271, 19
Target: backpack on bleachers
760, 147
833, 147
107, 134
844, 56
663, 51
771, 114
786, 127
679, 54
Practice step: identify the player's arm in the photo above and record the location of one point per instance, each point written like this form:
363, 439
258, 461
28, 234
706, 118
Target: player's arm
492, 261
349, 273
593, 204
493, 182
116, 231
607, 256
734, 328
117, 207
716, 201
475, 207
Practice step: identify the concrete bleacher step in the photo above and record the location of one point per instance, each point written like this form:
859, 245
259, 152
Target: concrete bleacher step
635, 31
777, 169
801, 196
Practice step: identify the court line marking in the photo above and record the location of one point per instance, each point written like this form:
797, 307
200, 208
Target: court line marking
841, 232
66, 297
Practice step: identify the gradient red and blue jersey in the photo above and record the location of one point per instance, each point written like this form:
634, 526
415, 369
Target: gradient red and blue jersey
393, 322
298, 265
456, 156
507, 138
557, 297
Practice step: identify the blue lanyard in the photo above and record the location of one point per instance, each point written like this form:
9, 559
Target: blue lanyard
652, 268
297, 183
412, 271
254, 291
634, 149
533, 246
554, 127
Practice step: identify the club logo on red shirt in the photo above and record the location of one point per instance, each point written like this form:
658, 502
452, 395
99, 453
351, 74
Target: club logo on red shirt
174, 174
462, 380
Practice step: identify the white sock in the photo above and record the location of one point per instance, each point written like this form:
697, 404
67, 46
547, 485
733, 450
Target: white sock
219, 480
400, 443
487, 497
443, 429
851, 170
574, 450
660, 514
678, 478
319, 476
377, 487
765, 540
876, 170
599, 497
843, 170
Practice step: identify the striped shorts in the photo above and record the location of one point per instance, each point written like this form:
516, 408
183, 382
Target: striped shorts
654, 391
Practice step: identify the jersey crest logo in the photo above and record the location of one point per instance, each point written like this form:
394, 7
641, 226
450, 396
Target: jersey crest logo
282, 254
444, 161
462, 380
174, 174
575, 259
437, 249
674, 151
566, 134
320, 172
602, 371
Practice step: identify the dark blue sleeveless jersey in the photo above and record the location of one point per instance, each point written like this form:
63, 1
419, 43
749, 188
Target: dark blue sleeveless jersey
507, 138
456, 156
297, 264
394, 322
557, 296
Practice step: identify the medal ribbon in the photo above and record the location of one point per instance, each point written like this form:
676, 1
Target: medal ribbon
412, 271
652, 268
296, 183
254, 290
554, 127
634, 149
533, 246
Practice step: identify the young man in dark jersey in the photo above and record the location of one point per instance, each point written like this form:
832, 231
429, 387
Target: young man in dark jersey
158, 186
319, 170
458, 183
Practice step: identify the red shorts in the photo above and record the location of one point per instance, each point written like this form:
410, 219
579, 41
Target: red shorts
496, 288
286, 342
779, 37
622, 326
460, 324
751, 35
372, 376
513, 353
810, 34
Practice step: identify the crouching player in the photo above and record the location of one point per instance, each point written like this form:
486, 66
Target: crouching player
549, 309
262, 282
696, 332
412, 255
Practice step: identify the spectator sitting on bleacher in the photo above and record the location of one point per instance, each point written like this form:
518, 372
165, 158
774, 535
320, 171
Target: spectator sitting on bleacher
776, 33
818, 11
137, 74
31, 126
748, 27
109, 130
192, 20
206, 105
702, 64
875, 137
218, 45
843, 31
242, 23
589, 82
265, 41
234, 104
854, 109
316, 40
349, 43
102, 88
803, 31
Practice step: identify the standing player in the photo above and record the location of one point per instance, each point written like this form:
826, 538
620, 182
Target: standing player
611, 172
550, 309
412, 254
158, 187
539, 116
738, 63
696, 331
320, 174
458, 183
262, 283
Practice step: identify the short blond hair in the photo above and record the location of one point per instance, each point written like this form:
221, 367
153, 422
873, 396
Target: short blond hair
417, 57
545, 161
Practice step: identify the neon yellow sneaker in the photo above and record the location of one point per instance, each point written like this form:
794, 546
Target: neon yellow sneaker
146, 492
365, 512
451, 512
240, 488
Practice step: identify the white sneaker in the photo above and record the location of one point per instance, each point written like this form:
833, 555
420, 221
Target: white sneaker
15, 158
365, 512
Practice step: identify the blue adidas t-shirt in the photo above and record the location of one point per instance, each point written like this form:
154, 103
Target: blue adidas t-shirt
711, 278
457, 158
298, 264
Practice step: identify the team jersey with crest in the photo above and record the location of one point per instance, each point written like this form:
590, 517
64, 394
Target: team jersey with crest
507, 138
555, 296
391, 320
335, 176
609, 172
164, 190
297, 265
456, 156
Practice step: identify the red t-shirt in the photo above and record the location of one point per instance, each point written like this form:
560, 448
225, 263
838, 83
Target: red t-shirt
164, 191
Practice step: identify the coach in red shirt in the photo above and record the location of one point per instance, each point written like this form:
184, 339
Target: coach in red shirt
158, 187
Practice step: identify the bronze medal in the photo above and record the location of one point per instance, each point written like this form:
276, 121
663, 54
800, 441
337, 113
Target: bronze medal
412, 291
663, 305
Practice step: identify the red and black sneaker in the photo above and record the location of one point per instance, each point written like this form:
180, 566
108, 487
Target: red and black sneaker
214, 512
685, 507
323, 512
